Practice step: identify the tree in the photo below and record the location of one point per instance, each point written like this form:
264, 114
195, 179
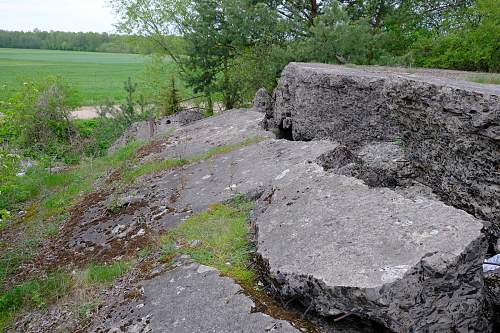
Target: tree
152, 19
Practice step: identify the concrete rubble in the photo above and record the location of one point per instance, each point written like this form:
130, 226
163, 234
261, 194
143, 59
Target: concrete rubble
377, 198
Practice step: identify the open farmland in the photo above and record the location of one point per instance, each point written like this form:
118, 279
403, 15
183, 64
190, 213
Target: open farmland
95, 76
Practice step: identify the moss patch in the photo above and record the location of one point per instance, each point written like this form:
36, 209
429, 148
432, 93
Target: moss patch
217, 237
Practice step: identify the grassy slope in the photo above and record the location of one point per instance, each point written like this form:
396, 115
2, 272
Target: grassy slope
222, 230
95, 76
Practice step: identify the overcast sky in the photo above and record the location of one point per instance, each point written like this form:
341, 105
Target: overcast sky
62, 15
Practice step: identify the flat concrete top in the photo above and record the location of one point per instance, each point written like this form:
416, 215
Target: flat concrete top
441, 77
196, 299
191, 298
338, 230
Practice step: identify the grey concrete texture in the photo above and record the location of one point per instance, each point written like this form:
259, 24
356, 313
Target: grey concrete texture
449, 129
191, 298
172, 195
146, 130
227, 128
262, 101
327, 240
342, 247
155, 202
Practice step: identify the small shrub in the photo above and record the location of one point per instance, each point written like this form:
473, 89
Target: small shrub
39, 116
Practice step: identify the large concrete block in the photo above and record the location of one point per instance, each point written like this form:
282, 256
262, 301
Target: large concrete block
449, 129
341, 247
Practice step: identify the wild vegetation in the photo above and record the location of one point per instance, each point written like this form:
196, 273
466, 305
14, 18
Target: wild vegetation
218, 237
234, 47
39, 292
218, 51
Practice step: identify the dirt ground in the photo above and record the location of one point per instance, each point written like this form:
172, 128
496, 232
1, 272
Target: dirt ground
85, 112
90, 112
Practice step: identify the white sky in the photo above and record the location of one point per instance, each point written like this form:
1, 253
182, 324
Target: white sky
62, 15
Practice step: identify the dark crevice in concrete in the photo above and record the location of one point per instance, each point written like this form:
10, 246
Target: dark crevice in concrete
284, 133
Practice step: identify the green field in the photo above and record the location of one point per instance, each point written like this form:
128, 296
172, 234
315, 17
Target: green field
95, 76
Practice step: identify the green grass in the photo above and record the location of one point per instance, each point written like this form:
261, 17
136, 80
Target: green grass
95, 76
485, 78
33, 293
104, 274
42, 291
59, 190
222, 236
53, 195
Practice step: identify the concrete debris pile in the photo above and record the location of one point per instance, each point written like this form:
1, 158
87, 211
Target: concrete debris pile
376, 204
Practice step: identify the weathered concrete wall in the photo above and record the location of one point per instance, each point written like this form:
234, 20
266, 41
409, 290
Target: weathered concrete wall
449, 129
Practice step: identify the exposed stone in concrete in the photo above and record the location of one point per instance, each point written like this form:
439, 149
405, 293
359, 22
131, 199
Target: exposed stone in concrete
449, 129
263, 101
413, 265
193, 299
492, 282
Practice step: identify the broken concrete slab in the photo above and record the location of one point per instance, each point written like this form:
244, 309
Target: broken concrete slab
148, 129
172, 195
406, 262
263, 101
413, 265
191, 298
109, 225
379, 164
449, 128
227, 128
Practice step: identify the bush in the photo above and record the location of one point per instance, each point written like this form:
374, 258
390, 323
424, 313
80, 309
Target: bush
37, 119
474, 47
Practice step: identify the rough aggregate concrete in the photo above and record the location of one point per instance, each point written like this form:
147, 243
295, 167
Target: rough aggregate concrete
398, 235
450, 129
263, 101
411, 264
330, 242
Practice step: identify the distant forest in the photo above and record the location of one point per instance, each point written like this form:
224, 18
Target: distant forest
78, 41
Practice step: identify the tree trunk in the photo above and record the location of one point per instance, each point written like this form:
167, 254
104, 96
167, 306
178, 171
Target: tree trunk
210, 104
314, 10
227, 90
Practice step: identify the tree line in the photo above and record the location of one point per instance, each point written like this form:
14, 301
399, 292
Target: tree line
233, 47
79, 41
